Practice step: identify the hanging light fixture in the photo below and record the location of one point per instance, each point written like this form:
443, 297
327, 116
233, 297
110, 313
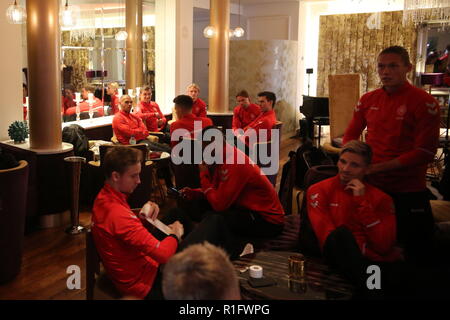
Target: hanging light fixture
209, 32
239, 32
68, 16
16, 14
122, 34
420, 11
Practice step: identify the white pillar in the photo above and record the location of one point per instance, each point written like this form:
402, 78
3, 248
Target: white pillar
173, 50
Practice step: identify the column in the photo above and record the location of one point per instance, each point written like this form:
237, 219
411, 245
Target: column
219, 56
44, 74
134, 65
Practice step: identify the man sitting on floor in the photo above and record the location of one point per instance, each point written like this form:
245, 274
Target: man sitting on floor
234, 186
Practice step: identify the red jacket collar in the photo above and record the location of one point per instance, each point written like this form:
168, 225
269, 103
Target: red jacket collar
121, 196
405, 87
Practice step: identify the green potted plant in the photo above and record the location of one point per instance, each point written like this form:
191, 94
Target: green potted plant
18, 131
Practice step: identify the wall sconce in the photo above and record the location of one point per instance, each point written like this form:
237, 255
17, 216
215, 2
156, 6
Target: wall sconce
145, 37
121, 35
209, 32
16, 14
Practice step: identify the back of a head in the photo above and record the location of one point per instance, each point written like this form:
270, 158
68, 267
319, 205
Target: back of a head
398, 50
119, 158
200, 272
89, 88
184, 101
270, 96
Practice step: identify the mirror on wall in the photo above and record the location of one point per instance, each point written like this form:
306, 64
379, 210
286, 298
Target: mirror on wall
433, 48
93, 55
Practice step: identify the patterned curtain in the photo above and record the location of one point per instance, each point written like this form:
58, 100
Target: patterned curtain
348, 45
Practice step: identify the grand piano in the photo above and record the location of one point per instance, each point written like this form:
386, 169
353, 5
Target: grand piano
316, 112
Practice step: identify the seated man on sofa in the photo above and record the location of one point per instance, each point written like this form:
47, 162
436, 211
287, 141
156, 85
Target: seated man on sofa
128, 126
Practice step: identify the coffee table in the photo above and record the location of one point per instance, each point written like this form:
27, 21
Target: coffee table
320, 283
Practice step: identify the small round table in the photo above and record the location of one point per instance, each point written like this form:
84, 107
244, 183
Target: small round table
320, 283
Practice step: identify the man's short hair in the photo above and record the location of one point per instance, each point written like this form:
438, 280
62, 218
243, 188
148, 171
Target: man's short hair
402, 52
146, 88
359, 148
123, 97
193, 85
184, 101
242, 93
114, 85
270, 96
119, 159
200, 272
89, 88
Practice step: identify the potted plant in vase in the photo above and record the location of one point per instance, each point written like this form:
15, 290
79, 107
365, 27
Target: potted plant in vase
18, 131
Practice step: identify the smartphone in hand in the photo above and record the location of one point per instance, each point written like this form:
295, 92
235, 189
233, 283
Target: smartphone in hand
175, 191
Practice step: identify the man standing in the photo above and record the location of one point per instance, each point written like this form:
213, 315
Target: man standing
403, 129
245, 112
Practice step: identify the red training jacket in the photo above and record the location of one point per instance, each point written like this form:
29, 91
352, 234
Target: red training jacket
130, 254
187, 122
242, 117
403, 125
242, 186
84, 107
199, 108
126, 125
149, 112
266, 120
370, 218
114, 104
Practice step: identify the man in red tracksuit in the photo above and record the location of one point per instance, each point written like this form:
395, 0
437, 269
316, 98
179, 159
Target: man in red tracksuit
149, 111
403, 129
235, 186
125, 124
113, 90
96, 104
245, 112
130, 254
354, 223
199, 106
263, 123
186, 119
346, 200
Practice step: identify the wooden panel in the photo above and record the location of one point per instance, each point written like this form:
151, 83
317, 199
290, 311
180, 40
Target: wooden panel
344, 92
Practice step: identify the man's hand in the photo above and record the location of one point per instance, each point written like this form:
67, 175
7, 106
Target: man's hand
190, 194
160, 122
150, 210
158, 116
356, 186
177, 229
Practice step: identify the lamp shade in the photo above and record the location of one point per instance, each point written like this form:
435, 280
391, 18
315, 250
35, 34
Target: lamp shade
434, 79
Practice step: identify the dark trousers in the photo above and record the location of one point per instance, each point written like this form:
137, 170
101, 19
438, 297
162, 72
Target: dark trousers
230, 229
399, 280
415, 224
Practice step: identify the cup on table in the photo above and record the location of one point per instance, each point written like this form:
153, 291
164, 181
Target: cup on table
296, 266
